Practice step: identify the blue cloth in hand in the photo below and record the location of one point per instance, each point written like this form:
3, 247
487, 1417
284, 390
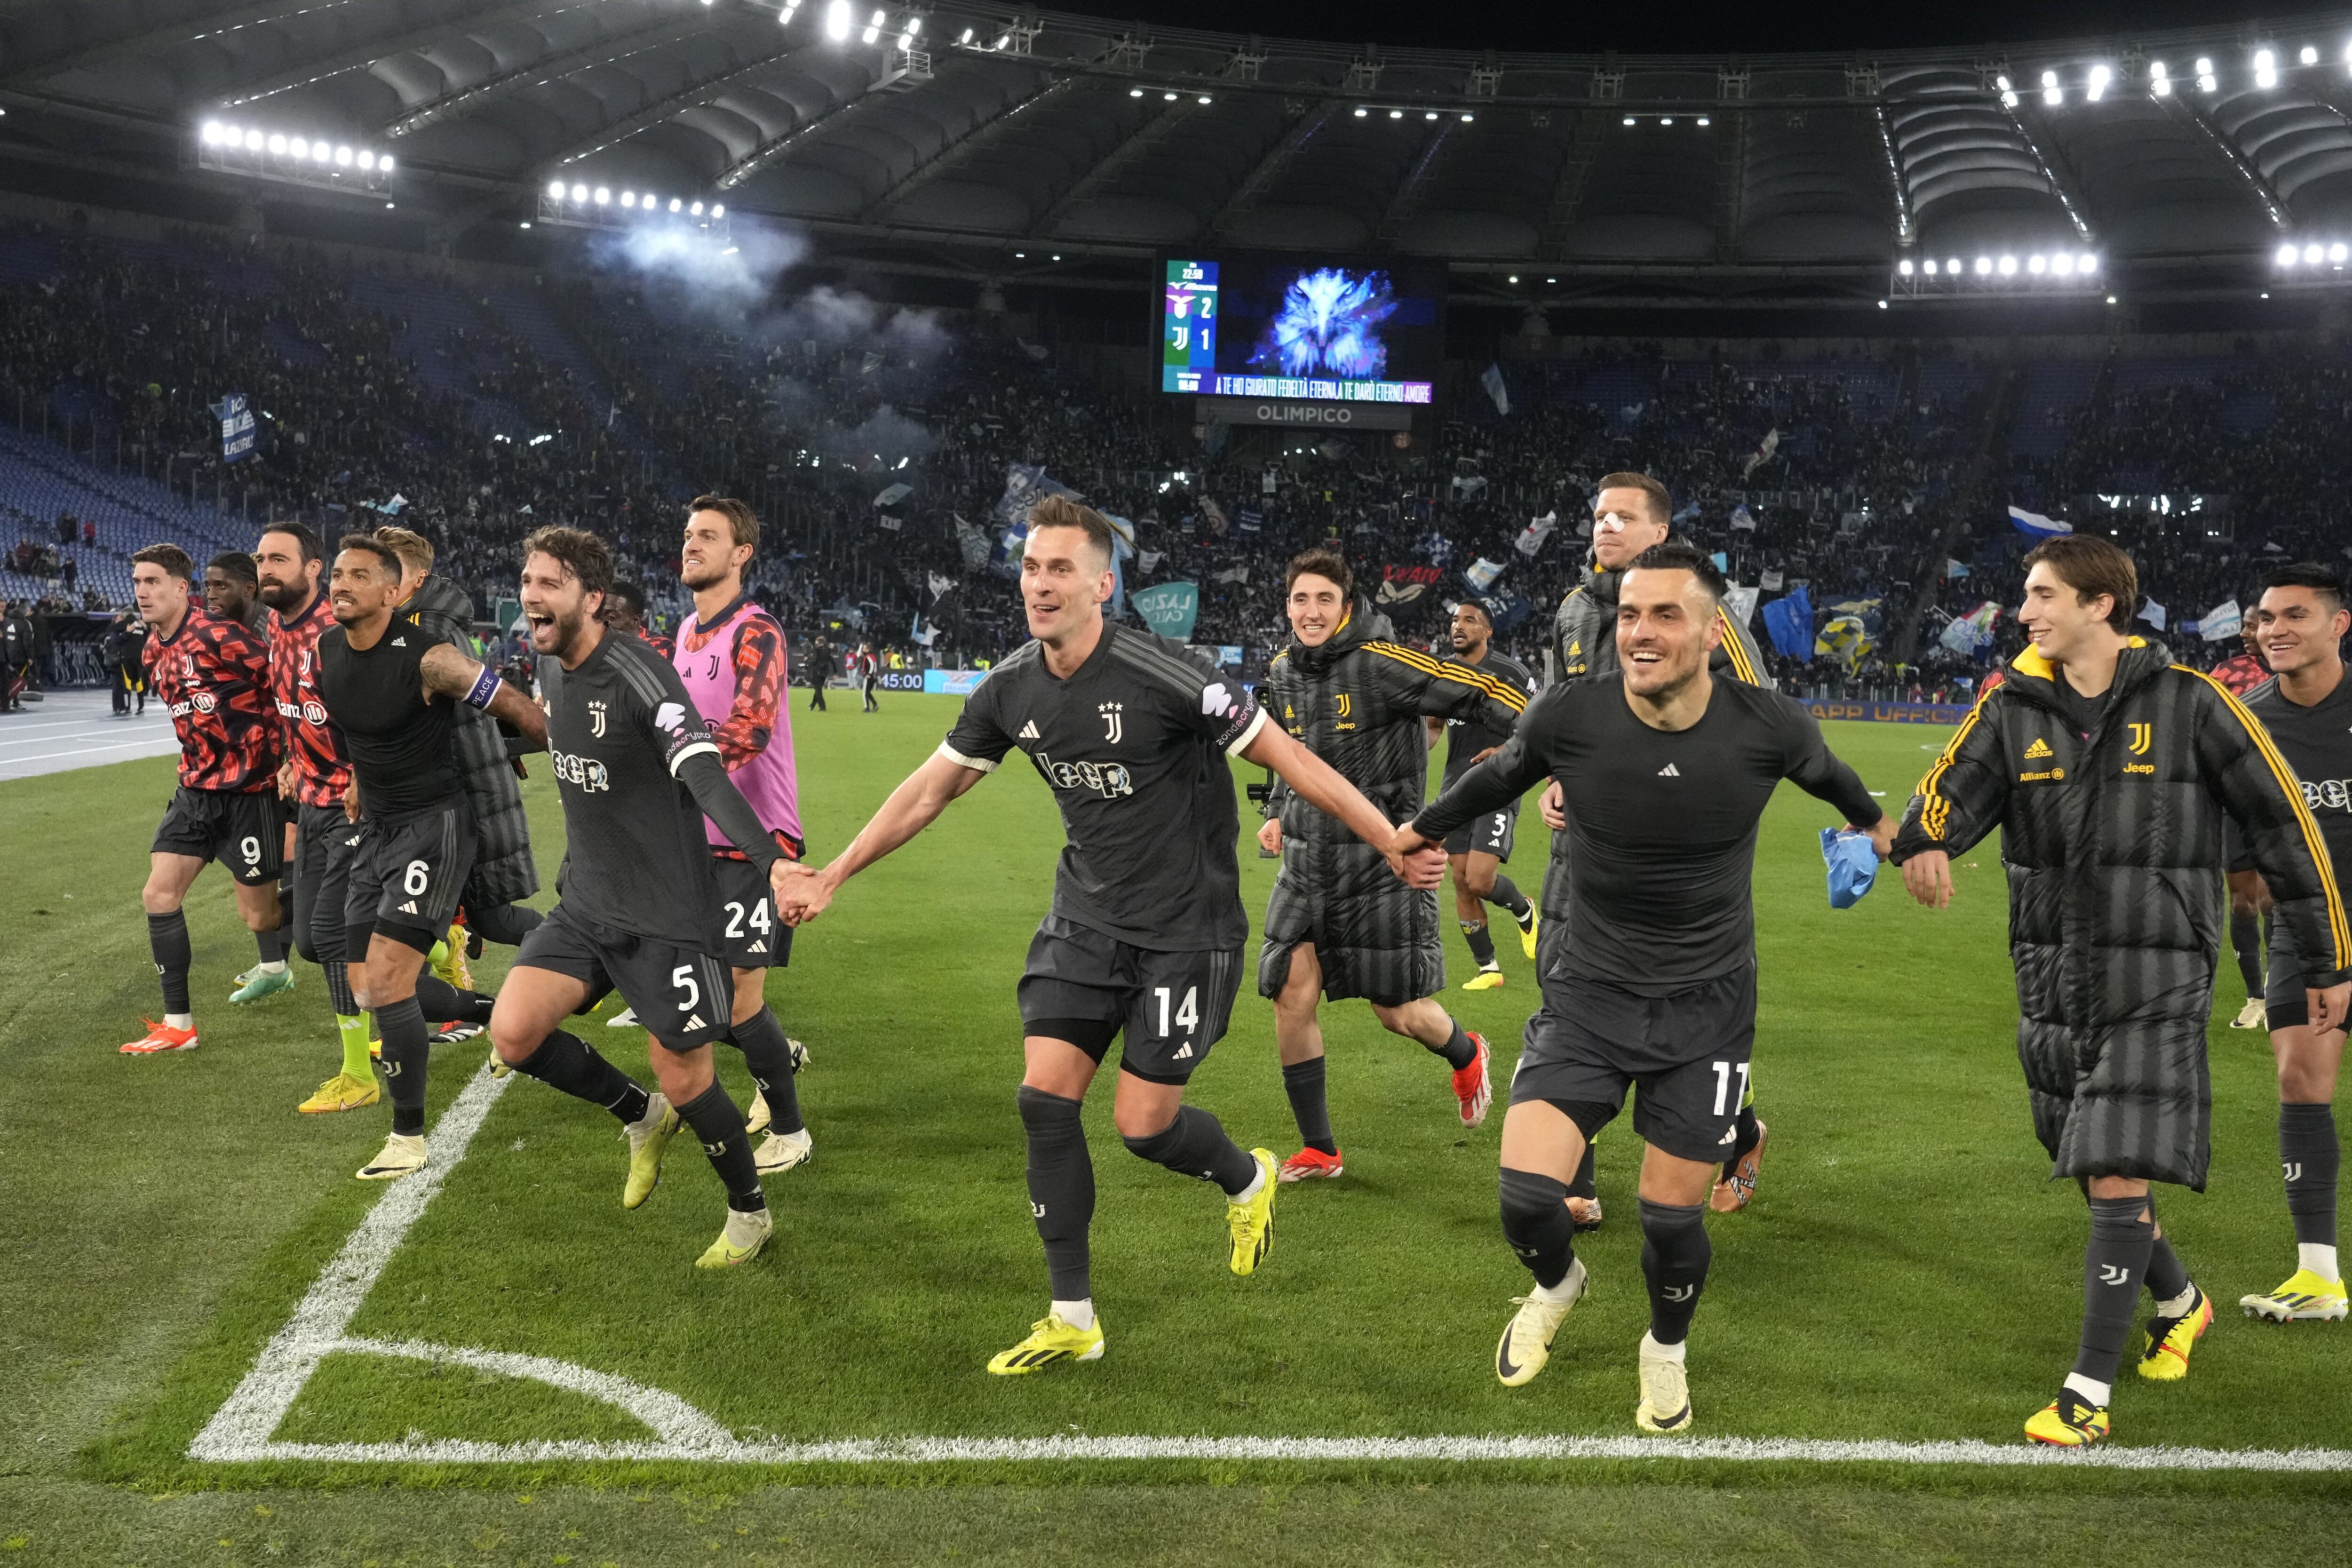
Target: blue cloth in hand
1853, 865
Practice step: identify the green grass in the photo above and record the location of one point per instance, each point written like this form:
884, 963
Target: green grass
1906, 1272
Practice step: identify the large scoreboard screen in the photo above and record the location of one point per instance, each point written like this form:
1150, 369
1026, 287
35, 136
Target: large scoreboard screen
1244, 325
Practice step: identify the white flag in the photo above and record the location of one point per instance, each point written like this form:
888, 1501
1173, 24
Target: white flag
1492, 380
1481, 575
1741, 602
2220, 623
2153, 614
1770, 582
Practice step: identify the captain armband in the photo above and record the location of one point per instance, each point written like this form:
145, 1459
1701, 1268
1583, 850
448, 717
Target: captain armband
485, 689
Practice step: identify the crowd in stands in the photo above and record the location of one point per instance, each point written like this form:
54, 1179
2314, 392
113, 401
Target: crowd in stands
876, 446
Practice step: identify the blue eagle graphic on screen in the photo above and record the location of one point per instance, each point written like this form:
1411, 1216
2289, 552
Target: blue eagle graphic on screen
1329, 325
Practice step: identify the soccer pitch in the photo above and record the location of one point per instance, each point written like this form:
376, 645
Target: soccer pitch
206, 1309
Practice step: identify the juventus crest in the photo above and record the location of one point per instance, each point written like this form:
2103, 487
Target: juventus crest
1112, 717
597, 719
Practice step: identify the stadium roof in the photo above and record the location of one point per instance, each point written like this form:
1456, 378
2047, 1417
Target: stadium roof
965, 125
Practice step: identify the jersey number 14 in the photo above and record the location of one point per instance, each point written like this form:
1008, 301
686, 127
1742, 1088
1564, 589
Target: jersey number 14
1188, 1012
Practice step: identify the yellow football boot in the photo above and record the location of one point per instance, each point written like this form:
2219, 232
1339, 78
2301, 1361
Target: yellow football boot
1252, 1223
1050, 1340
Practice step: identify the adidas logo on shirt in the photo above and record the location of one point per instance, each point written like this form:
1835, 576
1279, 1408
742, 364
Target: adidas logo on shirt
400, 642
409, 908
757, 947
694, 1021
1183, 1052
2041, 748
1029, 731
1670, 772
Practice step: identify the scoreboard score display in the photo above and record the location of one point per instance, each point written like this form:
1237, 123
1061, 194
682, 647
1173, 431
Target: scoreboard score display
1307, 328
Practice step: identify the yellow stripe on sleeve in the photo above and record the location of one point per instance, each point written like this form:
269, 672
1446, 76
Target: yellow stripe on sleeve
1502, 691
1935, 811
1740, 663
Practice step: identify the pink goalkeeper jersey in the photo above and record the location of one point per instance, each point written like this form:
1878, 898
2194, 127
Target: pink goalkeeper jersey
734, 669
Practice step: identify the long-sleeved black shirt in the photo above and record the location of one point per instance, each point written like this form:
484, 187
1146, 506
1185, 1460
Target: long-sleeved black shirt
1662, 823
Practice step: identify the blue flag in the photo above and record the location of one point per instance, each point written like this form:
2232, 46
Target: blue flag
236, 428
1789, 620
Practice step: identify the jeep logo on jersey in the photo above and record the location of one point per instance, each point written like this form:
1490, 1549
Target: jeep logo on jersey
2327, 794
1108, 780
596, 720
587, 771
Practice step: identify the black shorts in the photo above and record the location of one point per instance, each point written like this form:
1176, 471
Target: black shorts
1685, 1054
754, 937
245, 833
324, 843
1488, 835
1171, 1006
408, 874
2284, 1005
685, 999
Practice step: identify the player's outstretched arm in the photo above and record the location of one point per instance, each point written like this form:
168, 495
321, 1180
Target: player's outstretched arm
1957, 803
802, 894
450, 674
1320, 785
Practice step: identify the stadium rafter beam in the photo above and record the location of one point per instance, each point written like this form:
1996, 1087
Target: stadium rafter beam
2258, 188
699, 95
1409, 192
2054, 169
960, 150
1114, 164
606, 50
761, 156
1246, 194
187, 29
366, 52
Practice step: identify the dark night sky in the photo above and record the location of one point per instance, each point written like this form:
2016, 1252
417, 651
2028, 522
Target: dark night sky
1710, 28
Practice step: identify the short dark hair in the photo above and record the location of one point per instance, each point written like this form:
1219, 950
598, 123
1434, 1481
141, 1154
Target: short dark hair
302, 533
1682, 555
382, 548
1480, 605
173, 560
1068, 511
577, 551
1661, 503
2320, 579
1319, 564
2092, 566
739, 516
627, 596
237, 564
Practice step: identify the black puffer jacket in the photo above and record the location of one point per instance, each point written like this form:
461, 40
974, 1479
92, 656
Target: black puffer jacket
1357, 702
504, 872
2113, 845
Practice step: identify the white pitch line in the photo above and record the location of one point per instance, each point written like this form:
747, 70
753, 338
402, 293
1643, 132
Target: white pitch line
240, 1430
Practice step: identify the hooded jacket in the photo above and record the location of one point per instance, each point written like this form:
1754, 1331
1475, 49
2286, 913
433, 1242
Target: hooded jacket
1358, 701
2113, 843
504, 872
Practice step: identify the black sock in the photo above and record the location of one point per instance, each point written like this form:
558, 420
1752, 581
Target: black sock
167, 938
1506, 894
1061, 1188
2246, 940
2115, 1267
1459, 1049
400, 1026
2312, 1158
270, 944
1675, 1255
769, 1055
717, 1120
1195, 1144
286, 910
1745, 1136
1303, 1082
1481, 944
339, 988
1536, 1224
567, 1062
1582, 1185
443, 1002
2167, 1276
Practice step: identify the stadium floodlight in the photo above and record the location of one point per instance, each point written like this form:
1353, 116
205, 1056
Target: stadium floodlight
1629, 120
1362, 112
525, 224
579, 192
1953, 267
276, 145
675, 203
1430, 114
2309, 57
1928, 267
717, 212
905, 41
2087, 264
1168, 96
2265, 69
1396, 114
2336, 253
343, 157
914, 26
1515, 277
1881, 304
1002, 39
628, 198
2313, 255
2009, 267
2098, 90
1204, 98
320, 152
299, 146
2347, 56
837, 20
210, 134
1904, 267
1135, 92
694, 211
1984, 266
1703, 122
2111, 299
2052, 94
2061, 264
2037, 264
254, 141
967, 36
2206, 80
2008, 93
1665, 119
367, 158
873, 29
2158, 82
2287, 255
604, 194
1466, 119
555, 190
784, 16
